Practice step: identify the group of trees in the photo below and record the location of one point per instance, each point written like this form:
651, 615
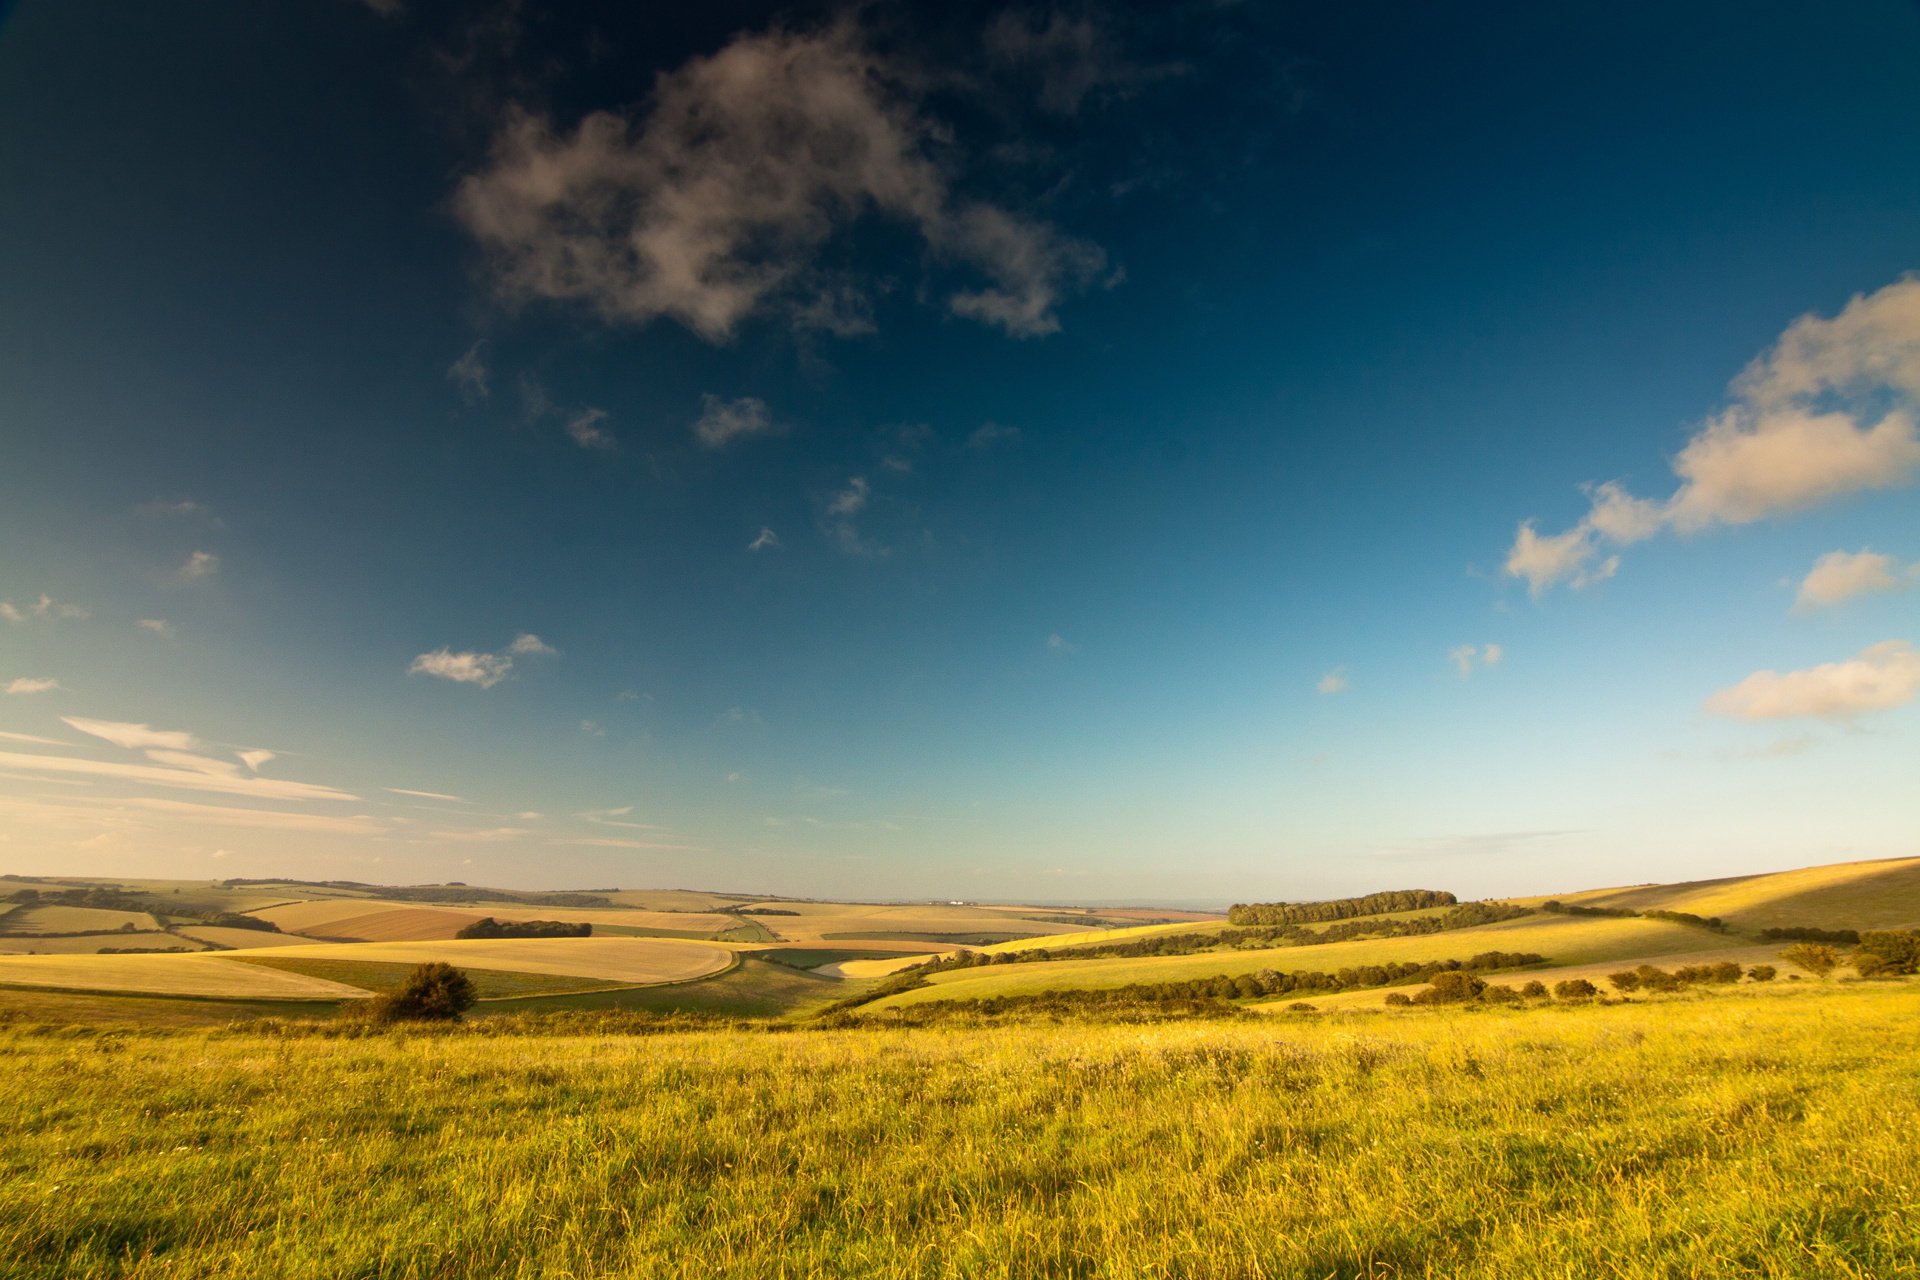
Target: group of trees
1801, 933
1372, 904
1461, 987
433, 992
1560, 908
1652, 978
488, 927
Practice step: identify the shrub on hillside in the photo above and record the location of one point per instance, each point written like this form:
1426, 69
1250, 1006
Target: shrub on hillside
1451, 988
1887, 951
1803, 934
1575, 989
1534, 990
1762, 973
433, 992
1625, 980
1816, 958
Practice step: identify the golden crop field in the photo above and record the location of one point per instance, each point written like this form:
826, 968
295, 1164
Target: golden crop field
628, 960
73, 920
203, 975
1859, 895
92, 943
237, 938
928, 923
372, 920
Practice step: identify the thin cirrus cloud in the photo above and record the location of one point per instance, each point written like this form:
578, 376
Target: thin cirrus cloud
200, 566
30, 684
1334, 681
172, 760
1826, 412
1880, 678
425, 795
1839, 576
469, 374
584, 429
716, 203
765, 540
483, 669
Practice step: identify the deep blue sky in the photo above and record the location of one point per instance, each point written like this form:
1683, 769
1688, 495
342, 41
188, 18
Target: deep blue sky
1145, 577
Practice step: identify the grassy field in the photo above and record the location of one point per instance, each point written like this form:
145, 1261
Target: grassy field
625, 960
1845, 895
73, 920
1763, 1132
382, 976
214, 976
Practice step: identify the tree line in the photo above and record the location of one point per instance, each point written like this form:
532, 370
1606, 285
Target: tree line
488, 927
1371, 904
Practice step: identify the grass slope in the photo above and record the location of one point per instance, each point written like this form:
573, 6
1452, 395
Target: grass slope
1882, 894
753, 988
624, 960
382, 976
1712, 1138
1562, 939
214, 976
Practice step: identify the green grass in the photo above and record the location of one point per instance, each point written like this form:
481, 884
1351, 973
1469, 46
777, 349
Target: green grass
384, 976
1700, 1137
815, 957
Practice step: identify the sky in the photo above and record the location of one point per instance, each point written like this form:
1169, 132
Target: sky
1197, 453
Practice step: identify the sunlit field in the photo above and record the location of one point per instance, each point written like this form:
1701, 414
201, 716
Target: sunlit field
1762, 1131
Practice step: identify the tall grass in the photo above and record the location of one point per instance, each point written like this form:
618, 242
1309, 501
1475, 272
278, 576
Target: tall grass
1747, 1133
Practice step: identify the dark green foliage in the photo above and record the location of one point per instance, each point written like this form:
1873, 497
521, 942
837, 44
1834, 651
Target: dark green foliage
1627, 980
1372, 904
433, 992
1534, 990
1560, 908
1887, 952
763, 911
1762, 973
1575, 989
1802, 934
1399, 997
1451, 988
488, 927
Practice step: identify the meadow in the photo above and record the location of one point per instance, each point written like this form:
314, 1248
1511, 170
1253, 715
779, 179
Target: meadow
1755, 1131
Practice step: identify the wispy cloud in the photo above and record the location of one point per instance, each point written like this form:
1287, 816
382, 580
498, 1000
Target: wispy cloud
1057, 643
723, 421
765, 540
1334, 681
134, 737
190, 779
6, 736
1826, 412
526, 644
584, 429
30, 684
155, 626
989, 434
1881, 677
1839, 576
200, 566
1466, 657
45, 609
425, 795
469, 374
716, 203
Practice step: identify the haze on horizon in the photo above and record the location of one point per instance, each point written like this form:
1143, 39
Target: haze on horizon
1019, 452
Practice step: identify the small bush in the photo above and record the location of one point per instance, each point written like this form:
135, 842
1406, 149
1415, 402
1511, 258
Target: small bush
1398, 998
1301, 1006
433, 992
1626, 980
1888, 951
1451, 988
1762, 973
1575, 989
1534, 990
1816, 958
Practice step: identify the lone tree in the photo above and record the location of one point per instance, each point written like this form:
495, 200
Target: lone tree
433, 992
1817, 958
1575, 989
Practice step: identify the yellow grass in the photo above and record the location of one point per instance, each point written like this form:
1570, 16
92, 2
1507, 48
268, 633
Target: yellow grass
248, 939
1093, 936
1883, 894
817, 920
870, 968
73, 920
1563, 939
195, 975
630, 960
88, 943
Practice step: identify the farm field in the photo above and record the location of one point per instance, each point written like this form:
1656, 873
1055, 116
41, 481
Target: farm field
190, 975
91, 943
627, 960
28, 919
1562, 939
1858, 895
1690, 1136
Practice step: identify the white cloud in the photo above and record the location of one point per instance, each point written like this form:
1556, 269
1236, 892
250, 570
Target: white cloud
30, 684
526, 644
1060, 644
584, 429
611, 842
717, 202
722, 421
988, 434
1841, 575
1827, 412
483, 669
255, 758
425, 795
850, 501
592, 729
28, 737
135, 737
765, 540
200, 566
158, 626
186, 779
1881, 677
262, 819
1335, 681
1465, 657
469, 374
45, 609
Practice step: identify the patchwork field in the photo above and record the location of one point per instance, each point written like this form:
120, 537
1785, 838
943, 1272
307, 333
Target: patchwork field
626, 960
29, 919
91, 943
